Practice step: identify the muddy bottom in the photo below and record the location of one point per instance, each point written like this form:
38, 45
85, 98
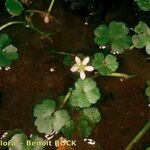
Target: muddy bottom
123, 107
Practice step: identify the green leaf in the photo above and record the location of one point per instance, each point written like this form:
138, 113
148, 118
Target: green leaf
85, 93
144, 4
105, 65
147, 91
142, 37
44, 125
4, 40
68, 129
47, 119
102, 36
60, 119
35, 139
148, 148
116, 35
14, 7
20, 142
84, 129
91, 114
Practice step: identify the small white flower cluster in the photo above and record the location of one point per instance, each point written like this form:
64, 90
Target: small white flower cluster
81, 66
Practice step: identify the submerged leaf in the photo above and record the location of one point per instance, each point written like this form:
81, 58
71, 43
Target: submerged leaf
4, 40
8, 52
91, 114
68, 129
84, 129
14, 7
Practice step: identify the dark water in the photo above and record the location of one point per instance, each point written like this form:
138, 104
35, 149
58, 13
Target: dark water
124, 108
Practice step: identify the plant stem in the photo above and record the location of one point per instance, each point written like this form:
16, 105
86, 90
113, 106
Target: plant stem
138, 136
13, 23
50, 6
65, 99
61, 53
117, 74
26, 24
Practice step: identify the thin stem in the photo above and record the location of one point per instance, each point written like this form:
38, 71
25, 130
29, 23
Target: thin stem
35, 11
65, 99
116, 74
26, 24
13, 23
122, 75
138, 136
61, 53
50, 6
132, 47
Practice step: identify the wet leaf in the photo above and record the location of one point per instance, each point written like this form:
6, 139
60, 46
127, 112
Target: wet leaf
116, 35
91, 114
85, 93
144, 4
14, 7
68, 129
47, 118
105, 65
142, 37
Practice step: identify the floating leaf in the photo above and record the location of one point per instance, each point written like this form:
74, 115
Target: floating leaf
84, 129
68, 129
142, 38
105, 65
14, 7
144, 4
21, 142
60, 119
91, 114
39, 143
85, 93
116, 35
48, 119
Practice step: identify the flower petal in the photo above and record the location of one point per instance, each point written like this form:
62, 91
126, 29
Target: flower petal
74, 68
89, 68
77, 60
85, 61
82, 75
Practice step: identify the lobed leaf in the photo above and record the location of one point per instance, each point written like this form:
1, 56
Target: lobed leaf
85, 93
105, 65
116, 35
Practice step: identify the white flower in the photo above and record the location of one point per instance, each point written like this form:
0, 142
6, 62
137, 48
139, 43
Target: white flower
81, 66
